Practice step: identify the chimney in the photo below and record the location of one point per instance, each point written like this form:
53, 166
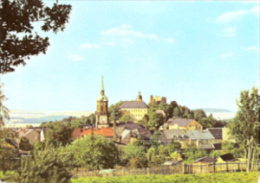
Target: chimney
114, 131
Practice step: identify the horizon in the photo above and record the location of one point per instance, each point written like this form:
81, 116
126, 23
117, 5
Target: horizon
199, 54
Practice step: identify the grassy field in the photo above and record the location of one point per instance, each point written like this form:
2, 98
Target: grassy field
241, 177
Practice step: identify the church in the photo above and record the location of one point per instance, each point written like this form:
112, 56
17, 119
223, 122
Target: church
102, 119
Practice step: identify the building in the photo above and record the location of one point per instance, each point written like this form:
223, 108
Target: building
184, 124
32, 135
136, 109
180, 136
157, 100
129, 132
102, 119
201, 138
217, 133
105, 132
226, 158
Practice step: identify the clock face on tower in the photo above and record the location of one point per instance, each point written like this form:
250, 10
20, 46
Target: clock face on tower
103, 119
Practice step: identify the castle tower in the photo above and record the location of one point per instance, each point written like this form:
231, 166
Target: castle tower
102, 109
139, 97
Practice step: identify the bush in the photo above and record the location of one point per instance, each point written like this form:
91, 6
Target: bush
241, 177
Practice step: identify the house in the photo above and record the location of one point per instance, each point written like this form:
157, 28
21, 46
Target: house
185, 124
32, 135
180, 136
217, 133
136, 109
226, 158
129, 132
204, 160
201, 138
105, 132
43, 133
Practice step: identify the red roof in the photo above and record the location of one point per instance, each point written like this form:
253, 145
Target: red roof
105, 132
76, 133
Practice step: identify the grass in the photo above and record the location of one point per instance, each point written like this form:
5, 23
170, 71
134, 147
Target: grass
240, 177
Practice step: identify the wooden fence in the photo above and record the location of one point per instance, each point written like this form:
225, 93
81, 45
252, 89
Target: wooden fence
167, 170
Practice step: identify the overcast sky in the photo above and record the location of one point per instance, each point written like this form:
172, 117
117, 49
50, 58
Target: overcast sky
200, 54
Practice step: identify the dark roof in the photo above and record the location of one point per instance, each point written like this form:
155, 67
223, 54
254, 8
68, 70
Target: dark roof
134, 104
218, 146
180, 122
216, 132
144, 133
205, 159
228, 157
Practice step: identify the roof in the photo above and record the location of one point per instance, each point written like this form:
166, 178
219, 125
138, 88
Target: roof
180, 122
136, 130
176, 134
198, 135
206, 159
227, 157
76, 133
218, 146
207, 146
172, 162
105, 132
133, 104
216, 132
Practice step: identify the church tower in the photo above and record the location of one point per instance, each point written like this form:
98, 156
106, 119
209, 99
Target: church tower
139, 97
102, 109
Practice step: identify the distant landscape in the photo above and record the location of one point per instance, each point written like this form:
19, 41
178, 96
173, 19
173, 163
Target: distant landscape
22, 117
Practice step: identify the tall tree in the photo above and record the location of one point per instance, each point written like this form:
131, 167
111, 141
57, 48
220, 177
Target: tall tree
46, 166
18, 37
245, 126
4, 111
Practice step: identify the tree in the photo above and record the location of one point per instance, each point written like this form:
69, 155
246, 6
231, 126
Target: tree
46, 166
199, 114
114, 111
126, 118
192, 153
136, 156
176, 112
18, 38
94, 153
59, 133
245, 126
173, 146
166, 108
155, 120
144, 121
4, 111
156, 140
25, 144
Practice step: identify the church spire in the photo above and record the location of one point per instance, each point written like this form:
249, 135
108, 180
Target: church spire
102, 84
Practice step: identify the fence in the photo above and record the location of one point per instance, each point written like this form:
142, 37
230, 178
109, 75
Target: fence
167, 170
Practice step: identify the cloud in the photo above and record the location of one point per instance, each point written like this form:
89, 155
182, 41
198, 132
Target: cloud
231, 16
109, 43
236, 15
252, 48
229, 31
89, 46
127, 31
75, 57
226, 55
170, 40
255, 10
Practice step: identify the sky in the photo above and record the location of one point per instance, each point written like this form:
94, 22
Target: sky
200, 54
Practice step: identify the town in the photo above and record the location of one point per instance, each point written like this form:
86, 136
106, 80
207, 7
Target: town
178, 102
131, 135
